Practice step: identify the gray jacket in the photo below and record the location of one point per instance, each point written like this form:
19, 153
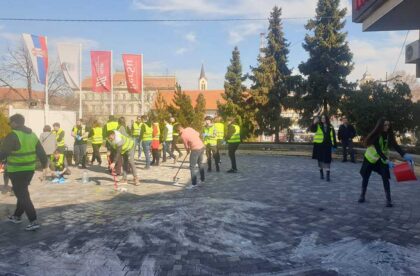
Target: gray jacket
48, 142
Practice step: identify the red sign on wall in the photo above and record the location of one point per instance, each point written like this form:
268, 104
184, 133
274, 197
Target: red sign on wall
364, 8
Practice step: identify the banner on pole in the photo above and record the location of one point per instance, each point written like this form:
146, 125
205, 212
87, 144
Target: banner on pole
69, 55
38, 52
101, 71
133, 72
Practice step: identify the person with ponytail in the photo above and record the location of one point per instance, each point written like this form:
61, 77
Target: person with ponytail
376, 157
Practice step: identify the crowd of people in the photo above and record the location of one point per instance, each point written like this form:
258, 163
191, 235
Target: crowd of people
21, 148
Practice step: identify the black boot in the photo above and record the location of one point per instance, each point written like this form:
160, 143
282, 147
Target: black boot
389, 201
362, 195
321, 172
328, 176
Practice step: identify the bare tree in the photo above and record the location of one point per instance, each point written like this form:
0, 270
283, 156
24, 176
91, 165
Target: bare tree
411, 80
16, 71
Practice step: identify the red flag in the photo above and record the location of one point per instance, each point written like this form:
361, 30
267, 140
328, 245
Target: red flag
101, 71
133, 67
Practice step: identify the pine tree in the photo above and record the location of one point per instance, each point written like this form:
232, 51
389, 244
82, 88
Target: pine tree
200, 113
329, 63
272, 79
161, 112
182, 108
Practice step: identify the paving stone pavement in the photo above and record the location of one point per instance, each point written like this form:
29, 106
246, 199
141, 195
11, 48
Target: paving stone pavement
275, 217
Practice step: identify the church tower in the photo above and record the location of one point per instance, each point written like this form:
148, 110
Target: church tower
202, 82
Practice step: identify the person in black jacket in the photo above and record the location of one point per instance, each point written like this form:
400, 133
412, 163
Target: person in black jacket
21, 147
324, 144
346, 133
376, 157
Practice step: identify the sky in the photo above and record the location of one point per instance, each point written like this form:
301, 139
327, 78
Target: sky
179, 48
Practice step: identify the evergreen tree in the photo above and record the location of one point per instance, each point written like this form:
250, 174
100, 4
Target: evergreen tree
200, 113
272, 79
161, 112
182, 108
329, 63
4, 125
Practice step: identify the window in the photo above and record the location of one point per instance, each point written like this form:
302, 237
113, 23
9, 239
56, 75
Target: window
131, 109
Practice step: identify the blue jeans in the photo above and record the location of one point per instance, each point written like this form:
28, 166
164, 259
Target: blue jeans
196, 158
138, 143
146, 150
167, 149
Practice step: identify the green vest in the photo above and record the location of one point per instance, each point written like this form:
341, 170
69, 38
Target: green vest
110, 126
60, 143
97, 138
175, 130
23, 159
236, 137
136, 129
319, 136
170, 134
58, 164
220, 130
148, 134
372, 155
210, 137
76, 129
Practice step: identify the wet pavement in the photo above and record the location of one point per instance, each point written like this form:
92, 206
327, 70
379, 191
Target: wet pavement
275, 217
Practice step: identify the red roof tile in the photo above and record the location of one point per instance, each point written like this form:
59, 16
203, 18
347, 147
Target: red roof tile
211, 96
7, 94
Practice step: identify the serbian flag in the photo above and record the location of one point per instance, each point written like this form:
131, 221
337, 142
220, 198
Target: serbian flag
133, 67
38, 52
101, 71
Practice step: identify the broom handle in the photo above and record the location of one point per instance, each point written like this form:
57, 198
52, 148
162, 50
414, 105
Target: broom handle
181, 166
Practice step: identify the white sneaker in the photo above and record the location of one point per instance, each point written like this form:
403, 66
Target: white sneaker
190, 187
32, 226
14, 219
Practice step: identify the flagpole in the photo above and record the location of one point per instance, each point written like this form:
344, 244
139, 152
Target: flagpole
142, 87
80, 83
46, 106
112, 88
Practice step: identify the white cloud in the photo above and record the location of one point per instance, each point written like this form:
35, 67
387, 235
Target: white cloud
181, 51
87, 44
191, 37
239, 33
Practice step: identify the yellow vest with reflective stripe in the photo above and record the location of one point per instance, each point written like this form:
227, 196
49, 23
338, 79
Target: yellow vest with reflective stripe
170, 134
97, 138
128, 144
156, 137
175, 130
60, 143
58, 164
75, 130
220, 130
23, 159
110, 126
236, 137
210, 136
372, 155
319, 135
147, 135
136, 129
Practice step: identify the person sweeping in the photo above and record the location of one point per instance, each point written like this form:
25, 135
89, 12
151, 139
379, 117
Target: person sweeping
376, 158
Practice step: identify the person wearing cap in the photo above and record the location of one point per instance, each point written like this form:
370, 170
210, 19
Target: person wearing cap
21, 148
80, 135
210, 141
124, 147
233, 138
195, 147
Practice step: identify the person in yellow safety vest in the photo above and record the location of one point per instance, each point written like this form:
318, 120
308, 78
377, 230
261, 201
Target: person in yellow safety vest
96, 136
175, 138
376, 157
233, 138
59, 136
21, 148
220, 133
210, 141
111, 125
146, 136
325, 142
123, 146
58, 165
155, 145
167, 138
80, 134
135, 130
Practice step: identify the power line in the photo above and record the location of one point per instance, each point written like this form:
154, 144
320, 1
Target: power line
402, 49
142, 20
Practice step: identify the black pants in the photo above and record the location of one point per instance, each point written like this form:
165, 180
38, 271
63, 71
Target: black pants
385, 181
118, 163
20, 182
156, 157
175, 146
232, 151
348, 149
211, 151
96, 155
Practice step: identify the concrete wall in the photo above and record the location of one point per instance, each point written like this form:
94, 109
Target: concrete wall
34, 119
